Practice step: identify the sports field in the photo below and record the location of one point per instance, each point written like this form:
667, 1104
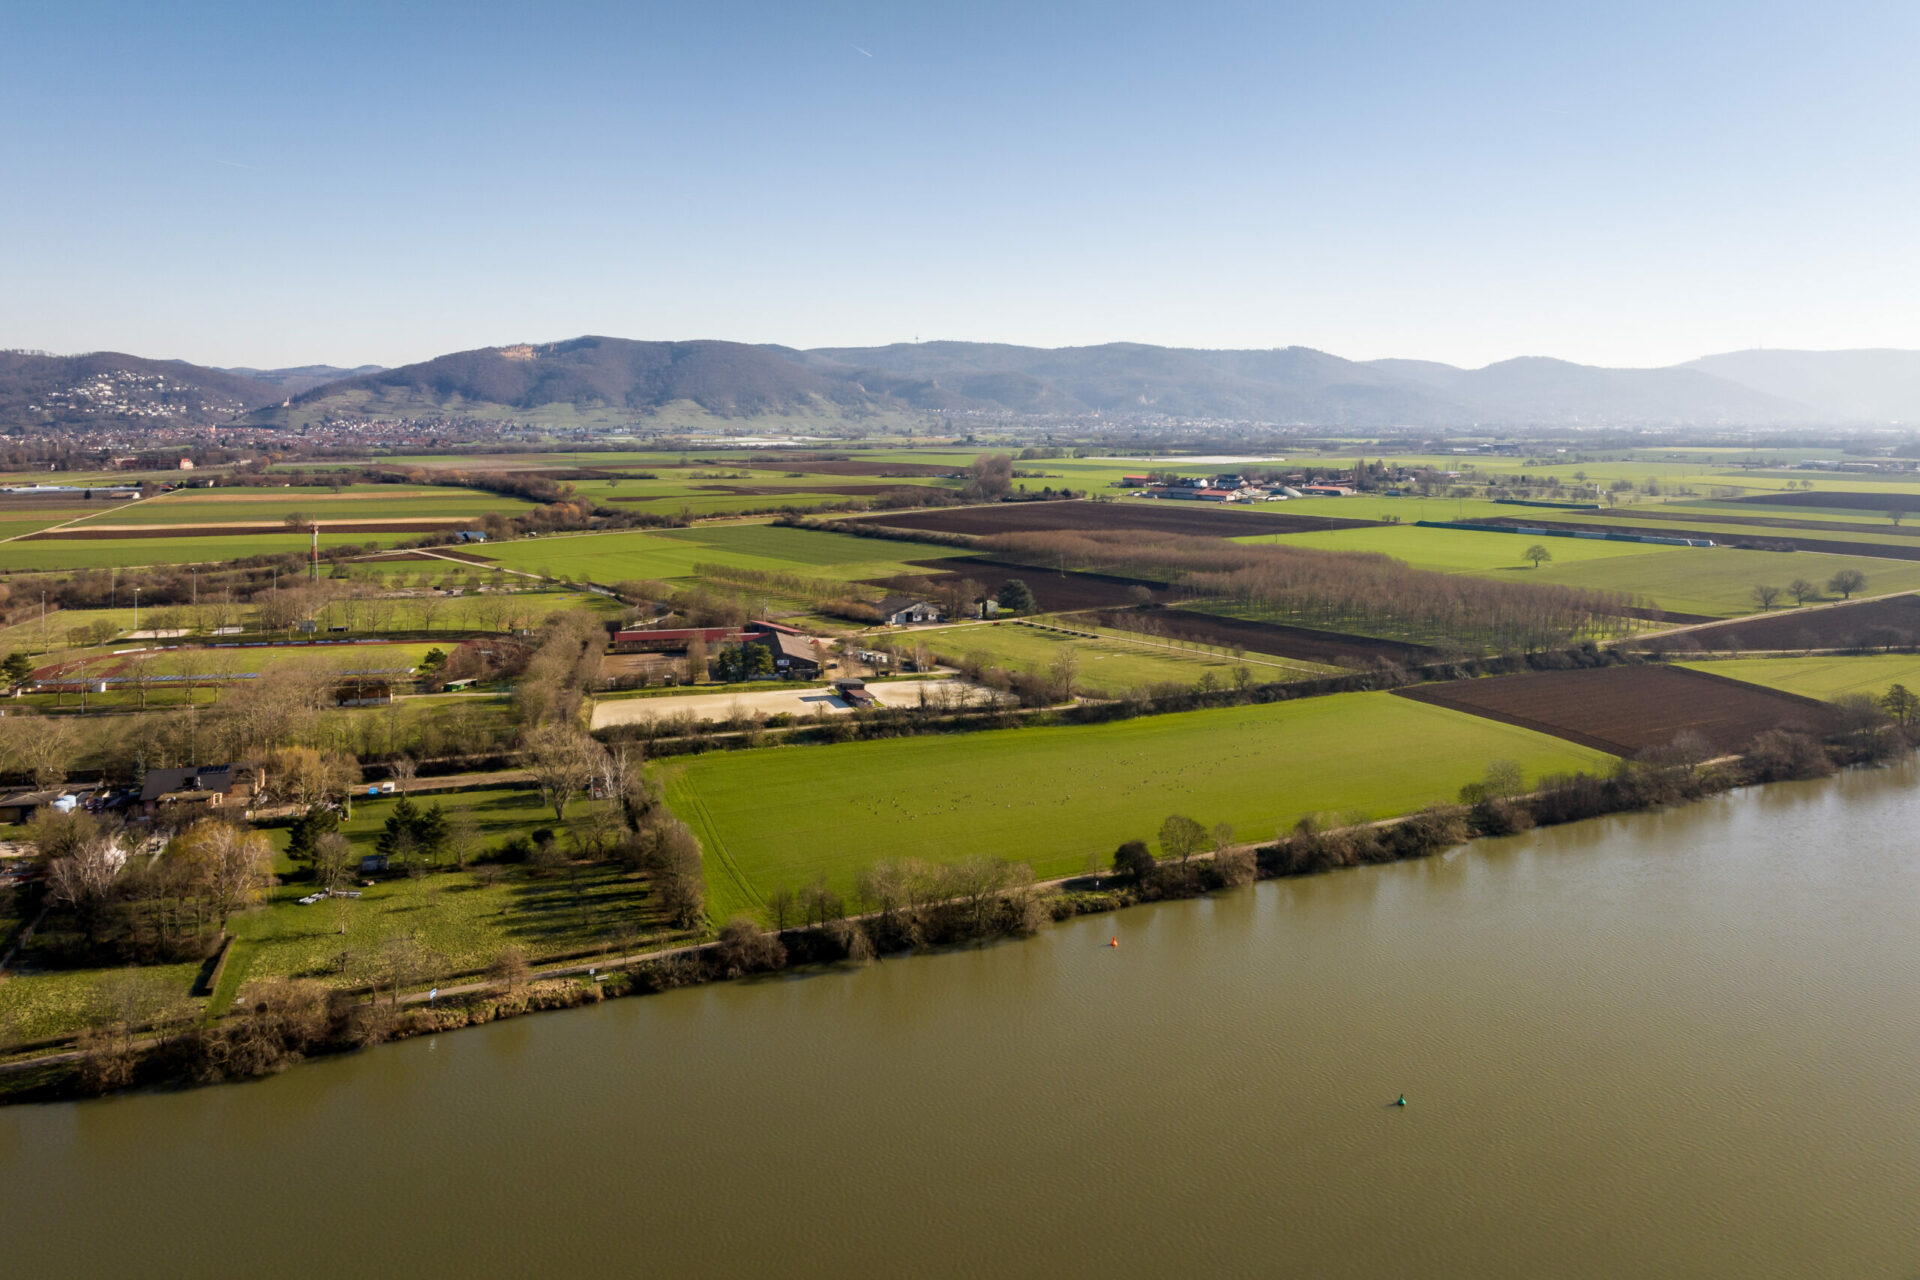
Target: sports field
1061, 799
1822, 677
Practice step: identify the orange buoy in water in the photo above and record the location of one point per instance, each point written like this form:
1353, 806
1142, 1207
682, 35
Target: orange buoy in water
1114, 943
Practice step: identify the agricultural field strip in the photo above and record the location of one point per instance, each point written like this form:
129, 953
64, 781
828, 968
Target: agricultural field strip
783, 815
1872, 620
453, 614
613, 557
1249, 656
1706, 580
1014, 644
1625, 709
60, 518
1825, 677
123, 553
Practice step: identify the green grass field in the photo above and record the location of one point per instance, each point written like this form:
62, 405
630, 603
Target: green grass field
614, 557
451, 615
1061, 799
1457, 550
1822, 677
36, 1005
102, 553
1719, 581
1111, 665
1716, 581
455, 915
269, 506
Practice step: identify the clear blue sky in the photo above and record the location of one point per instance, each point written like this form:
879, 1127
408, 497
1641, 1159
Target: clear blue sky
1615, 183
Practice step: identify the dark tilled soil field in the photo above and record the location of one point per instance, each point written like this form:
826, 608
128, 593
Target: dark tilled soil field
1625, 710
1852, 500
846, 467
1304, 644
1152, 516
848, 490
1053, 590
1868, 624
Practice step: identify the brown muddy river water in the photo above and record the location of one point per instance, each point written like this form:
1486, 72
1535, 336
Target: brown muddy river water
1679, 1044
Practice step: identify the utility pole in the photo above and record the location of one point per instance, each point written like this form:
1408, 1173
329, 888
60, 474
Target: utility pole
136, 608
43, 622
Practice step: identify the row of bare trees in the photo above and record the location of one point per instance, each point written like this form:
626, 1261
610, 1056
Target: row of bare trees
1341, 590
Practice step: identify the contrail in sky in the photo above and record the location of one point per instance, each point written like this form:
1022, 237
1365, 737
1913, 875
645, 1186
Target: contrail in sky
858, 49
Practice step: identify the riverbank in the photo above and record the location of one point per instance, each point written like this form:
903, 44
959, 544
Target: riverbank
286, 1021
1672, 1042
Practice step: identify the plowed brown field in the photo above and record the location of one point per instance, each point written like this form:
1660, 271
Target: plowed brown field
1053, 591
1868, 624
1625, 710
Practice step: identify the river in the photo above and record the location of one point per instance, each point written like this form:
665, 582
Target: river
1682, 1043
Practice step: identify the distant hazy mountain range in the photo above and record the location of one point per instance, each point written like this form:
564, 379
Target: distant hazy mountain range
614, 380
305, 377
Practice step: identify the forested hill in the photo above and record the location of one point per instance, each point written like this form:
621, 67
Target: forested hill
108, 388
610, 376
600, 381
617, 379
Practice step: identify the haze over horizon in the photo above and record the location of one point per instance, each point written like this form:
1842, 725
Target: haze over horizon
349, 184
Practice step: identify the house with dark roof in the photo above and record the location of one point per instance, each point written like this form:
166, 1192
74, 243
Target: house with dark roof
20, 806
199, 786
794, 656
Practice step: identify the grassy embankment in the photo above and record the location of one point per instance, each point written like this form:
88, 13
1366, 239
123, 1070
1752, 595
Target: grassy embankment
1061, 799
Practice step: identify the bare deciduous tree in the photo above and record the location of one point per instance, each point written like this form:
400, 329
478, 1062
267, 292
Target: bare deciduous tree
563, 761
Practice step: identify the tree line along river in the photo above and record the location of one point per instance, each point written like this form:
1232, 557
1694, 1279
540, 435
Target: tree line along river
1676, 1043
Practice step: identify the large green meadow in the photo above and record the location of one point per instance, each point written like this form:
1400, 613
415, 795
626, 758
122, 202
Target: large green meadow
1062, 798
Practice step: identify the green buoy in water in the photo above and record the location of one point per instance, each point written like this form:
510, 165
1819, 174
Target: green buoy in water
1400, 1101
